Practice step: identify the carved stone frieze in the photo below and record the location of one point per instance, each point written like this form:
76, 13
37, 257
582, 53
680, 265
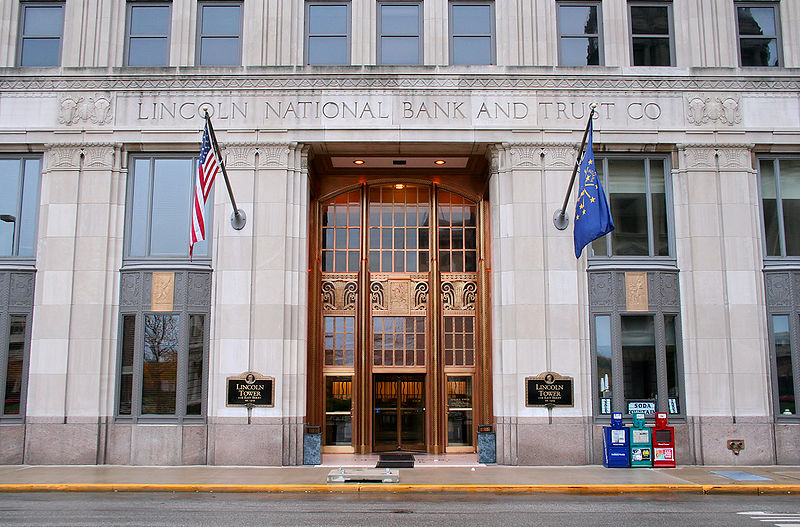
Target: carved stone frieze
273, 155
240, 156
627, 291
75, 109
717, 110
98, 157
459, 291
699, 157
559, 156
63, 157
391, 295
526, 156
339, 292
733, 158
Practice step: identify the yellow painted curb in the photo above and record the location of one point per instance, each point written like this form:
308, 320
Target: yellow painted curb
378, 487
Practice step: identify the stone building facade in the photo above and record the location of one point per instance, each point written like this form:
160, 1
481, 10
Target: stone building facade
399, 276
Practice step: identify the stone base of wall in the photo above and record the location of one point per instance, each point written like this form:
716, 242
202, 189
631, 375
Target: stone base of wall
698, 441
11, 438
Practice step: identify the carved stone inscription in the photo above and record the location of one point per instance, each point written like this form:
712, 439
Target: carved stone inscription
636, 297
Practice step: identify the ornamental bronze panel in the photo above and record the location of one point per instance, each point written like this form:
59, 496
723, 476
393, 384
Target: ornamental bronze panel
339, 293
459, 291
162, 296
393, 295
636, 297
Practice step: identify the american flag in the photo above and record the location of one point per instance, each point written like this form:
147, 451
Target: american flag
207, 168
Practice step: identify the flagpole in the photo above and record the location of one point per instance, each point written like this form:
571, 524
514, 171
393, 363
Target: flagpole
560, 219
238, 218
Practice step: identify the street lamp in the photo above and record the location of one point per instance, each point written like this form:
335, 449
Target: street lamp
10, 218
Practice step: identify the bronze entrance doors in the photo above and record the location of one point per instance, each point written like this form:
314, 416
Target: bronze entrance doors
399, 405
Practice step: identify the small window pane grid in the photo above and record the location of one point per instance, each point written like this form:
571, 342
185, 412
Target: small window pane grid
637, 356
41, 30
14, 351
148, 34
579, 34
400, 33
398, 341
20, 180
651, 34
341, 230
399, 224
338, 410
638, 199
459, 341
163, 356
472, 33
459, 410
157, 221
328, 33
339, 341
457, 234
220, 34
759, 34
780, 206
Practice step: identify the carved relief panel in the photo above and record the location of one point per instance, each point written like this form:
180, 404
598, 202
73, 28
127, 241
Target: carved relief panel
459, 292
339, 293
393, 295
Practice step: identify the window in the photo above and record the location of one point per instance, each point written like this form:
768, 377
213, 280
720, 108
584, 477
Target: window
758, 33
780, 201
338, 410
160, 196
472, 33
148, 34
579, 34
15, 338
41, 28
341, 231
638, 198
328, 33
163, 345
636, 348
400, 30
220, 35
399, 225
459, 410
651, 33
19, 205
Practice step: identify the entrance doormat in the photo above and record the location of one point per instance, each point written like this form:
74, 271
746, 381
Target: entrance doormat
740, 475
395, 460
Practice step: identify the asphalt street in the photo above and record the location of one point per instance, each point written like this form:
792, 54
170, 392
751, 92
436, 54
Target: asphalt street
389, 510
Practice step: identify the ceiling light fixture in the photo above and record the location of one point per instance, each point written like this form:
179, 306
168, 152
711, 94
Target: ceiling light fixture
439, 162
359, 162
399, 186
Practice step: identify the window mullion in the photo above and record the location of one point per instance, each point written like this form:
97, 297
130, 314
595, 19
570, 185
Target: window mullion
662, 396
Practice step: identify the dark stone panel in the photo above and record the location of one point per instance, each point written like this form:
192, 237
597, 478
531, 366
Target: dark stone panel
787, 442
11, 438
61, 444
118, 444
194, 445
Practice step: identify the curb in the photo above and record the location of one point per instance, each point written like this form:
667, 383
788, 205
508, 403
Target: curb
398, 488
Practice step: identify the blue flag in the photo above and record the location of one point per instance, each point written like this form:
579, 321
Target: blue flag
592, 215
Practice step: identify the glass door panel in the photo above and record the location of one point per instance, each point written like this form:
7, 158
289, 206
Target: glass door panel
399, 418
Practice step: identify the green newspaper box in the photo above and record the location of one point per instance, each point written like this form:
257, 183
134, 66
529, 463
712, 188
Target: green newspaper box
641, 443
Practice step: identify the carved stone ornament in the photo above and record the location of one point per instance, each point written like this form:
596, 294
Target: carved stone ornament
240, 156
98, 156
526, 156
779, 289
717, 110
74, 109
63, 156
559, 156
339, 292
163, 292
130, 287
636, 297
20, 289
670, 290
735, 157
601, 289
459, 292
399, 296
699, 157
273, 155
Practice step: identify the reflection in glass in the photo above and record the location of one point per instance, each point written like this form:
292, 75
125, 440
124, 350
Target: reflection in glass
459, 410
671, 342
472, 34
338, 408
602, 339
579, 35
758, 37
400, 42
14, 365
627, 189
171, 207
220, 35
148, 39
159, 375
639, 358
339, 341
128, 339
41, 35
647, 24
194, 378
769, 207
327, 34
783, 365
789, 170
396, 241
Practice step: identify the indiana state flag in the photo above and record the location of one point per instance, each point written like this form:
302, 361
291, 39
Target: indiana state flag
592, 215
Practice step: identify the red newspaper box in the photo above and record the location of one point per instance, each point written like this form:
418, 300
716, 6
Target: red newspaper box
663, 442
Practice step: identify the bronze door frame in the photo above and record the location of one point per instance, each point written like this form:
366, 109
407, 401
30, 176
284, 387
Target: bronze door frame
404, 414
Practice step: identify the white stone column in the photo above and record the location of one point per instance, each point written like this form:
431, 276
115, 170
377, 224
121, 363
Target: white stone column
71, 382
725, 357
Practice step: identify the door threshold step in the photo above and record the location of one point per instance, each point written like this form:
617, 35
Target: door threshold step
395, 460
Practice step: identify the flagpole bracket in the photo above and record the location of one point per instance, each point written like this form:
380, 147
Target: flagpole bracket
238, 219
560, 219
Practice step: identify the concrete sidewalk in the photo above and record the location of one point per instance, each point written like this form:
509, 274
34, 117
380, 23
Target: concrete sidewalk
424, 477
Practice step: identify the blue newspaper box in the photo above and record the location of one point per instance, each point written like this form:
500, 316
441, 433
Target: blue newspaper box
616, 443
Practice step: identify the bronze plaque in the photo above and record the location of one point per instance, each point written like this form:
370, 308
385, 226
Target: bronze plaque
549, 389
162, 295
251, 389
636, 297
